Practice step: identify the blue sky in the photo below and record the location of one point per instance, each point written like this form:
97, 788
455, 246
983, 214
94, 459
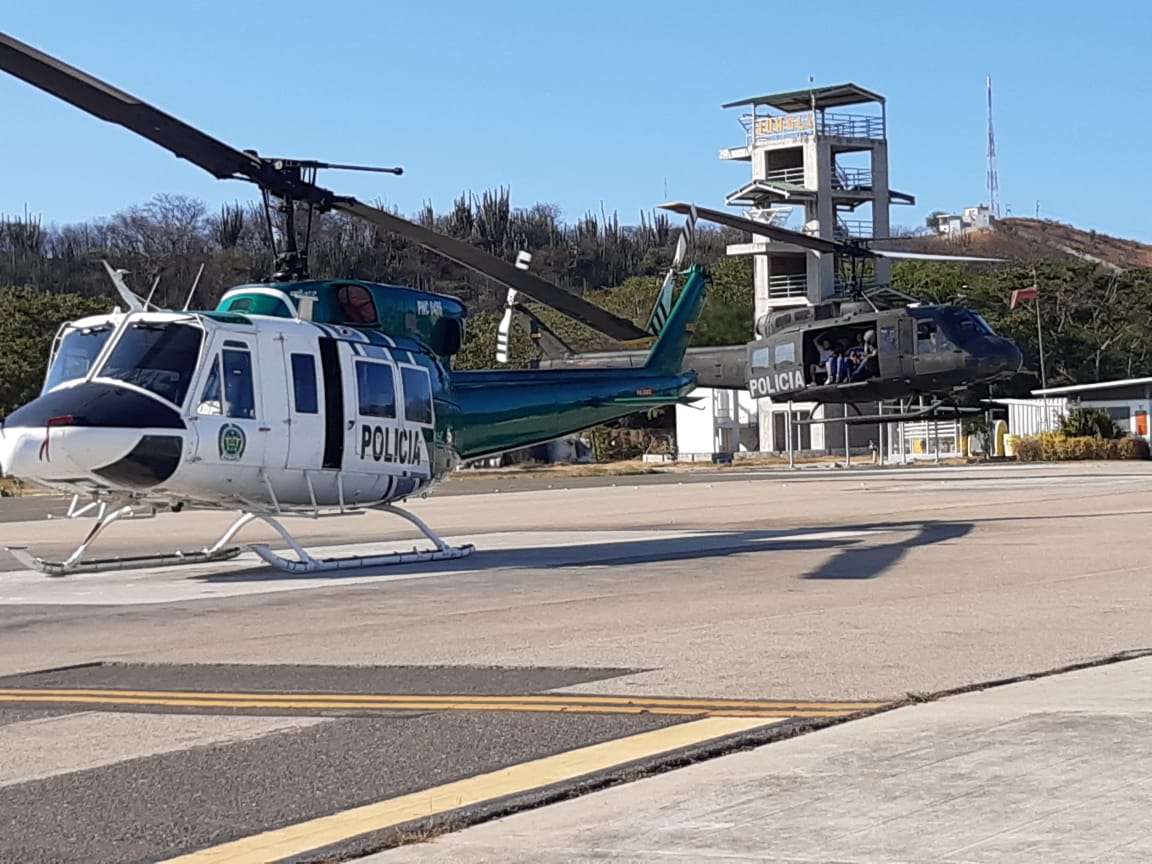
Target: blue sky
587, 104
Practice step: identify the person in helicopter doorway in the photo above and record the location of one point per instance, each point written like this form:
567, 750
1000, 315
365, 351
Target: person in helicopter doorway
863, 357
838, 365
822, 367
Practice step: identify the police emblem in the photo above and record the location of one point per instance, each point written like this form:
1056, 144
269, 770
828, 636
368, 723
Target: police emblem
231, 441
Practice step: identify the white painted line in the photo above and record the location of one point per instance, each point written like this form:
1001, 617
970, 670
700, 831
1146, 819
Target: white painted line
50, 746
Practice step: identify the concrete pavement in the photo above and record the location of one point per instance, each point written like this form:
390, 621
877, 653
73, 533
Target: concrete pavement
821, 586
1053, 769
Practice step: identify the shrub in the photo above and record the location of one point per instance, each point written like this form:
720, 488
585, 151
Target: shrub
1083, 422
1052, 447
1134, 448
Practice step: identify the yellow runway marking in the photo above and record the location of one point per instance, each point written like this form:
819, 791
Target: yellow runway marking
421, 702
304, 837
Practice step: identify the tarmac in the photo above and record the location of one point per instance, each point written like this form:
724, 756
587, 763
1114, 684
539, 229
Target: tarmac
1054, 769
602, 635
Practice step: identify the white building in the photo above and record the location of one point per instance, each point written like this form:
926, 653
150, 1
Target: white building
722, 421
1033, 416
1128, 401
971, 219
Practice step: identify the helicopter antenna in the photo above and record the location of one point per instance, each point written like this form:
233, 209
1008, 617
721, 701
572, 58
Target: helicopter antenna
195, 282
155, 284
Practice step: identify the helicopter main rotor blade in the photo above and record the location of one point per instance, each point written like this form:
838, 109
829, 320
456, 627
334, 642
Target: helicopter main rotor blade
784, 235
108, 103
928, 256
499, 270
223, 161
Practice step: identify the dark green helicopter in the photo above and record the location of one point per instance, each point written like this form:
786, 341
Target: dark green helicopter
297, 395
850, 350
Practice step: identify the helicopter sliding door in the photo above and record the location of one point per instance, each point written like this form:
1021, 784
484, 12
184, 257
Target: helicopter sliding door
308, 436
389, 404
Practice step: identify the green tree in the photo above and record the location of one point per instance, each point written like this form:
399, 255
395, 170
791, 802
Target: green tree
29, 319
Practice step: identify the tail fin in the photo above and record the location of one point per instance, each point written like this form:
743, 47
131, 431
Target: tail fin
667, 354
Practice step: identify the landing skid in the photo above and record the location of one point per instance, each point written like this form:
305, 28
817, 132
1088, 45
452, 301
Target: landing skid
76, 563
937, 411
221, 551
307, 564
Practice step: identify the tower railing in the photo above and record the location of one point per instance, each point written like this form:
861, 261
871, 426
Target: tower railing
791, 285
795, 176
851, 178
847, 228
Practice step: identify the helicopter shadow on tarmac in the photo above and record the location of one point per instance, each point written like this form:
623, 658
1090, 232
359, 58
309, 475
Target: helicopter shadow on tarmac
870, 561
864, 562
867, 562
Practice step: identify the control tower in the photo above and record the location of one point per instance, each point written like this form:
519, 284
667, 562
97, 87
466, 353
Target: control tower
820, 153
831, 164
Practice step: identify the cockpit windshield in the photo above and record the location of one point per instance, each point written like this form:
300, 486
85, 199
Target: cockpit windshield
78, 350
982, 323
964, 323
159, 356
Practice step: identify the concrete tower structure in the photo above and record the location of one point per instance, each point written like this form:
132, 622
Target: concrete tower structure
808, 153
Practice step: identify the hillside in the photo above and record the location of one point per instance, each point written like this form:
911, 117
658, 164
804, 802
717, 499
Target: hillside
1032, 239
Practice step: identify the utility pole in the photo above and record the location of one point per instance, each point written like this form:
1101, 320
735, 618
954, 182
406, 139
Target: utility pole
1039, 330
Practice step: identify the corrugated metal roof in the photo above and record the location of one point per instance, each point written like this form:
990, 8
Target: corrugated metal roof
801, 100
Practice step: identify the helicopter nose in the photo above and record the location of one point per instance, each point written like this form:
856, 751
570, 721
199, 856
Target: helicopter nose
1012, 360
93, 433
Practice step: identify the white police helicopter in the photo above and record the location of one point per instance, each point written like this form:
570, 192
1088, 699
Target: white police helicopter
296, 396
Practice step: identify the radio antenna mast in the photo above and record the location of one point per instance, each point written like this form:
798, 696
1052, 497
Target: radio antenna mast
993, 182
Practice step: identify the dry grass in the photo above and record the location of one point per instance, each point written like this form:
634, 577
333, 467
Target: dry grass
637, 467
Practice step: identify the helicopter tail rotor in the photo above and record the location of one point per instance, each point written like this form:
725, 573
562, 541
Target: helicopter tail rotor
504, 329
551, 345
663, 308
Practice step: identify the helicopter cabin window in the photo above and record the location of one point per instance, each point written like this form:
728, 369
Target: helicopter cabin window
888, 339
258, 304
78, 349
417, 394
761, 358
159, 356
304, 384
357, 304
375, 389
784, 353
239, 386
927, 337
